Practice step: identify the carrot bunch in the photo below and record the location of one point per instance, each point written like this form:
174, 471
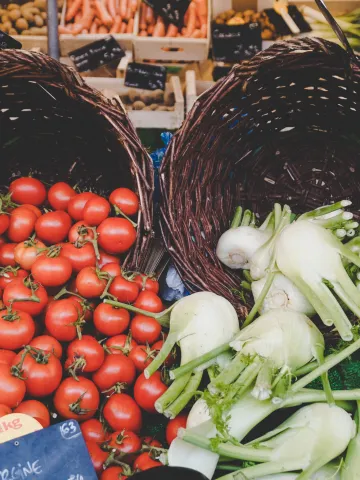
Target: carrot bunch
195, 22
99, 16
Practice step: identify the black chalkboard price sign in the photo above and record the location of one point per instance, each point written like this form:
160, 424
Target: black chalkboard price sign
96, 54
233, 43
147, 77
171, 10
6, 41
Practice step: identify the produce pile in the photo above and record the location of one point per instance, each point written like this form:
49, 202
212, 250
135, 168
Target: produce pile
26, 19
66, 349
231, 17
135, 99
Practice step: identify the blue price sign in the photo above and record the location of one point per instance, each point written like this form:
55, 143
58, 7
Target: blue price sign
58, 452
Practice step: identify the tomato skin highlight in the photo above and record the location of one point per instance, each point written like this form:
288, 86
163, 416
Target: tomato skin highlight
90, 350
53, 227
145, 462
145, 329
60, 319
113, 269
122, 412
93, 431
77, 204
79, 257
148, 390
126, 200
59, 195
12, 389
174, 425
51, 271
96, 211
116, 235
27, 190
149, 301
48, 344
124, 290
18, 290
22, 224
106, 258
116, 369
25, 255
82, 391
88, 283
7, 254
35, 409
16, 329
111, 321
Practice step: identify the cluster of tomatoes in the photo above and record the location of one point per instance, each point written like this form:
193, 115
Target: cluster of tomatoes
64, 353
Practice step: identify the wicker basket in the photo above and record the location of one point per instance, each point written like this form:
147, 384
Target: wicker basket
282, 127
55, 127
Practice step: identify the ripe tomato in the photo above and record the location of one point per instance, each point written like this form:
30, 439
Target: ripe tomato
145, 329
148, 390
126, 200
34, 296
147, 283
121, 412
42, 372
16, 329
48, 344
22, 223
116, 235
96, 210
113, 269
27, 252
113, 473
77, 204
51, 271
98, 456
104, 259
124, 290
120, 344
144, 462
61, 320
34, 209
93, 431
59, 195
84, 307
80, 232
35, 409
116, 371
12, 388
7, 254
151, 442
53, 227
80, 256
86, 353
111, 321
90, 283
126, 442
27, 190
7, 357
4, 410
141, 356
157, 346
77, 399
8, 274
149, 301
4, 222
174, 425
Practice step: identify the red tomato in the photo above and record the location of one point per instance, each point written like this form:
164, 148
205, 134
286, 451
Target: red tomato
126, 442
113, 473
90, 283
42, 372
61, 320
27, 252
22, 223
12, 388
7, 254
77, 204
149, 301
120, 344
114, 372
144, 462
4, 222
48, 344
170, 358
93, 431
35, 409
16, 329
121, 412
151, 442
104, 259
80, 256
148, 390
86, 307
174, 425
141, 355
116, 235
7, 356
111, 321
86, 353
77, 399
113, 269
27, 190
4, 410
145, 329
147, 283
59, 195
53, 227
96, 210
98, 456
34, 209
124, 290
34, 296
51, 271
80, 232
8, 274
126, 200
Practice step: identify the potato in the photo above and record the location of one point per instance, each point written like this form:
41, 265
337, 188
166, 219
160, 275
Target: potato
38, 31
162, 108
5, 18
138, 105
27, 5
158, 96
41, 4
169, 99
12, 6
154, 106
133, 95
14, 15
39, 22
147, 98
43, 15
7, 25
3, 12
28, 16
13, 31
22, 24
25, 32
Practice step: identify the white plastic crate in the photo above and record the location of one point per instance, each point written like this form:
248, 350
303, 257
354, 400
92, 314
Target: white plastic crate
194, 88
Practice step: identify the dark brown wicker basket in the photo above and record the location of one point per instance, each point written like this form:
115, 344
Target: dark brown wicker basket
55, 127
283, 127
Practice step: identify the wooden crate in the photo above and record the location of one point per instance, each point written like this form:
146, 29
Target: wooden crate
194, 88
146, 119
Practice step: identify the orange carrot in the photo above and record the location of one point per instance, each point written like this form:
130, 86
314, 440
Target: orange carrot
151, 29
93, 28
172, 30
85, 31
88, 15
196, 33
186, 17
143, 33
133, 6
142, 23
149, 15
184, 32
192, 19
102, 13
117, 25
201, 10
72, 11
123, 8
123, 27
78, 17
130, 26
159, 29
203, 30
103, 29
111, 4
128, 15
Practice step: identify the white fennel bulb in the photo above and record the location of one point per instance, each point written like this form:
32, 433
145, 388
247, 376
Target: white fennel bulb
329, 472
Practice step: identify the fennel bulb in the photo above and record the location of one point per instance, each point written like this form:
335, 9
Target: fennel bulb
282, 294
329, 472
